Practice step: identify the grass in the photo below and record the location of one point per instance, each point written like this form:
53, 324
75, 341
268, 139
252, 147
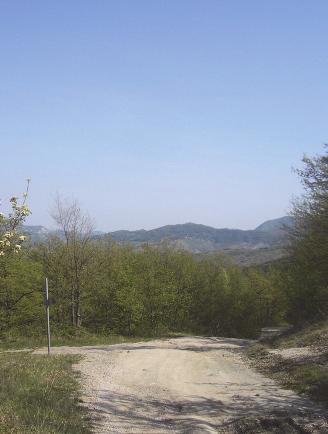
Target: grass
315, 335
311, 380
39, 395
19, 341
304, 375
257, 350
308, 377
28, 338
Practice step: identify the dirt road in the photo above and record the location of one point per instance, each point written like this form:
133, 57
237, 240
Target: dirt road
184, 385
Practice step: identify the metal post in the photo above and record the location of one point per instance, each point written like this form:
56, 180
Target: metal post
48, 314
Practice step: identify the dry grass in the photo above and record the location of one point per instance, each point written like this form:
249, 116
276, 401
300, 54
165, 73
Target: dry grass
314, 335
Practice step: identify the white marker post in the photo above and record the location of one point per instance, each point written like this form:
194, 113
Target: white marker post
47, 313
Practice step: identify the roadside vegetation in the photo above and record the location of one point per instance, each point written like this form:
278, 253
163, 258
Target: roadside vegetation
282, 359
16, 340
313, 335
40, 394
306, 275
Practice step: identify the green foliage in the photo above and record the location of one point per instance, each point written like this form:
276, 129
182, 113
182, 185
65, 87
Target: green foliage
308, 289
21, 298
151, 292
312, 379
145, 292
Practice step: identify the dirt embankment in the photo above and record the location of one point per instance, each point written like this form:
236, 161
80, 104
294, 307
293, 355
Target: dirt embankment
185, 385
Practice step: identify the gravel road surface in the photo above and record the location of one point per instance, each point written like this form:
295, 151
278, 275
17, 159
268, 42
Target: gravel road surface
181, 385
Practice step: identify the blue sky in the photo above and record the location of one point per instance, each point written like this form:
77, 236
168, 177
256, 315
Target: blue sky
161, 112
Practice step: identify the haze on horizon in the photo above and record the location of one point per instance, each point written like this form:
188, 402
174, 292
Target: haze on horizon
154, 113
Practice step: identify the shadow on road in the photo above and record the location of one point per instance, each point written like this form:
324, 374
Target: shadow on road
199, 414
217, 344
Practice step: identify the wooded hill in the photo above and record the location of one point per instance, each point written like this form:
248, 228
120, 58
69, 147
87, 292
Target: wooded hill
198, 238
192, 237
243, 247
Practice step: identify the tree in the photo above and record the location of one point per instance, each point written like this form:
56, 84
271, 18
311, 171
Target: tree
309, 242
18, 275
21, 298
10, 239
76, 229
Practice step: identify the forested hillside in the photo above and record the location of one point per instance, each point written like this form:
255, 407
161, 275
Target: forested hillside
115, 289
191, 237
105, 287
200, 238
253, 247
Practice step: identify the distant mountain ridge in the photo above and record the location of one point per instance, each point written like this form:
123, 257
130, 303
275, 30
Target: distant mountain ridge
195, 238
276, 224
199, 238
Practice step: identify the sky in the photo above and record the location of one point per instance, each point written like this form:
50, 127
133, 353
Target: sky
161, 112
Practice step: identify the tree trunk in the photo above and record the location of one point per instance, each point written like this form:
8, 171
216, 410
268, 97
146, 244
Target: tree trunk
78, 310
73, 308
